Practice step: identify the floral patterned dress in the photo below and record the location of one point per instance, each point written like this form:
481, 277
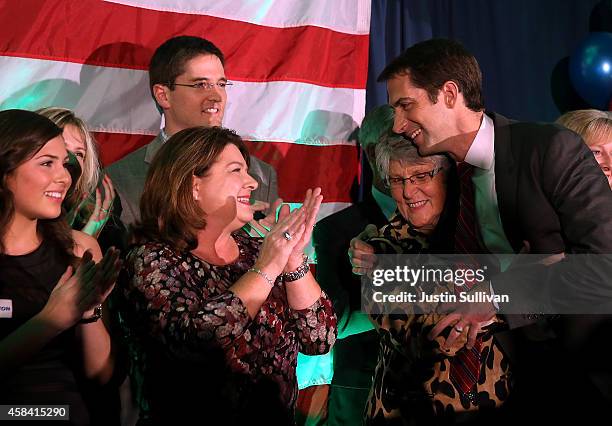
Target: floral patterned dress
186, 328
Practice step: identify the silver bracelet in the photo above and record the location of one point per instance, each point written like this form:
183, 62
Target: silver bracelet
300, 272
263, 275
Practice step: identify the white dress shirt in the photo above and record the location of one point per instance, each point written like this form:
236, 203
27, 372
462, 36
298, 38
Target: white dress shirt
481, 155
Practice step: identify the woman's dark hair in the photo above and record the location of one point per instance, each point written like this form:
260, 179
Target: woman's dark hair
168, 211
22, 135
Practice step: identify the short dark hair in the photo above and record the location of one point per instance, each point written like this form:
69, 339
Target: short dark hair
169, 59
173, 216
22, 135
431, 63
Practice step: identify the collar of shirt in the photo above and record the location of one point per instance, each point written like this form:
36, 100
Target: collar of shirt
482, 151
385, 202
164, 135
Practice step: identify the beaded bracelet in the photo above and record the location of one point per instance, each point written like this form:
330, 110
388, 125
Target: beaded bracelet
263, 275
300, 272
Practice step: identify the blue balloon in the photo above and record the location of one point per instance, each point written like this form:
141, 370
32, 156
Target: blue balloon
591, 69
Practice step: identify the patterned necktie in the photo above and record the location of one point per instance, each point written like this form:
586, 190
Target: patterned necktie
466, 236
465, 365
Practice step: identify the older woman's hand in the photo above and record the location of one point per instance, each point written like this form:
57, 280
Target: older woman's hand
360, 253
471, 320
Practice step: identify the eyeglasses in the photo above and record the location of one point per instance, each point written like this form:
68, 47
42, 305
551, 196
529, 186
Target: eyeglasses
205, 85
416, 179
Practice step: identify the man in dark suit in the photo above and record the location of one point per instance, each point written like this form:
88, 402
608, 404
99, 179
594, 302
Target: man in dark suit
355, 352
537, 188
188, 83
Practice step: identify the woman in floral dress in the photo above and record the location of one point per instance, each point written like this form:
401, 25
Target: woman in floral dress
207, 307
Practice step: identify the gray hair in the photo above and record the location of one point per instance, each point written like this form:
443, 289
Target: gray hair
400, 149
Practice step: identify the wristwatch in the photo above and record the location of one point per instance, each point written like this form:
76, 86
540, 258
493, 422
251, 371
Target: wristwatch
97, 314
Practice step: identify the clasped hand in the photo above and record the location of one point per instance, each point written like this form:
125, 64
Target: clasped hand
101, 212
286, 236
465, 319
361, 254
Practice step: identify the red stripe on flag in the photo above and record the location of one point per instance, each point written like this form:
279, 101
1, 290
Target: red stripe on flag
108, 34
298, 167
115, 146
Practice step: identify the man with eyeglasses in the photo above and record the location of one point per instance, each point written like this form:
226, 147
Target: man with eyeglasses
187, 81
534, 187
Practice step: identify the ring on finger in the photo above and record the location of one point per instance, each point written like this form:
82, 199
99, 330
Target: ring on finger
458, 328
287, 235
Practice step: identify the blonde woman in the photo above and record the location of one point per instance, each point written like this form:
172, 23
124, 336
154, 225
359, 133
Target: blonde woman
595, 127
94, 201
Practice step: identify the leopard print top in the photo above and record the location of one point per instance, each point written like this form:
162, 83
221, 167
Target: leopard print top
411, 383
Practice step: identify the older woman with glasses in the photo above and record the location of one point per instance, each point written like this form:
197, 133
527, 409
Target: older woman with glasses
414, 381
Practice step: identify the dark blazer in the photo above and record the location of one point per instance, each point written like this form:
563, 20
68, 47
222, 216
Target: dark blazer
130, 172
354, 356
265, 175
552, 194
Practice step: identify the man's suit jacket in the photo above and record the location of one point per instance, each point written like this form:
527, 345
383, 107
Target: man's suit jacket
552, 194
354, 356
265, 175
129, 175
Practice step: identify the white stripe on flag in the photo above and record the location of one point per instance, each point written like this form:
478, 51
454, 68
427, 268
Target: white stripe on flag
347, 16
112, 99
118, 100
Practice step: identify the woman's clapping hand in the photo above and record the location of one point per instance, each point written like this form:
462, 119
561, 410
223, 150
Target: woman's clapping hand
311, 205
78, 291
102, 208
290, 233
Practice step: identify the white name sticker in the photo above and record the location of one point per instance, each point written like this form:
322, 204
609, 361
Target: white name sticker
6, 308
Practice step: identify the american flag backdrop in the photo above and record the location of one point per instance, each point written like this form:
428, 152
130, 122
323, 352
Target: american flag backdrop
299, 68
